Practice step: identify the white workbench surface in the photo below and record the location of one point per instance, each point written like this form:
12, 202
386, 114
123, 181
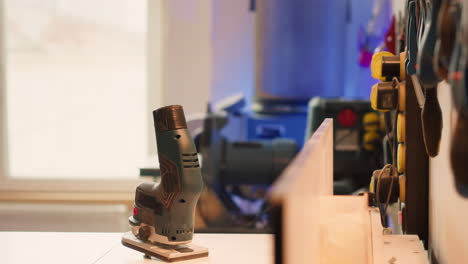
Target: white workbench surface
100, 248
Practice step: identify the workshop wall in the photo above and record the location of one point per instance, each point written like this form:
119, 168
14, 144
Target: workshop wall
233, 42
447, 210
186, 54
207, 52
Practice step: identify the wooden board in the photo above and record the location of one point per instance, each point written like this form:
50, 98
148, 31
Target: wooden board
345, 230
394, 248
311, 171
317, 227
298, 192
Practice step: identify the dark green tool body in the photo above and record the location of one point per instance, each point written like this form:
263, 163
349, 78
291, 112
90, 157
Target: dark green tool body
165, 213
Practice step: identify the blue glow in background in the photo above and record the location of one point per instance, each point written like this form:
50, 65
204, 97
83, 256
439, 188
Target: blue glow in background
312, 49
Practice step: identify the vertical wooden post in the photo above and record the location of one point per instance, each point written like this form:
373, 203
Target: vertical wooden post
416, 212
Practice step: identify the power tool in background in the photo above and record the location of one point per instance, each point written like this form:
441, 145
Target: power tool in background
357, 140
162, 223
240, 172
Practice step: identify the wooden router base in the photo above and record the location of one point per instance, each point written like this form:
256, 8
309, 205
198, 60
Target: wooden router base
169, 254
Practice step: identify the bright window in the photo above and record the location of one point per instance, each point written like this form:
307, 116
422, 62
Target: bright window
76, 88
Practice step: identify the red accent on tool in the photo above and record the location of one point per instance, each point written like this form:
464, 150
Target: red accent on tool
135, 211
347, 117
457, 76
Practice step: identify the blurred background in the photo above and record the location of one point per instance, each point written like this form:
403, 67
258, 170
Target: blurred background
80, 79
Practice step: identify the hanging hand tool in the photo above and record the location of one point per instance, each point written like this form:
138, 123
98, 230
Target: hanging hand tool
412, 51
419, 66
431, 114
